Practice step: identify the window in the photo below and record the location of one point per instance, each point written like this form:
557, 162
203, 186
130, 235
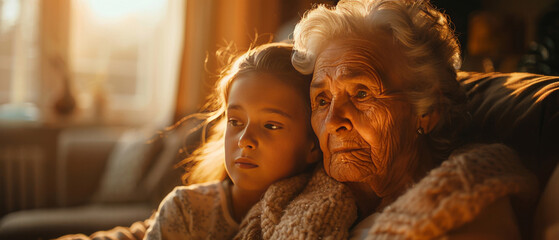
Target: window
121, 60
18, 58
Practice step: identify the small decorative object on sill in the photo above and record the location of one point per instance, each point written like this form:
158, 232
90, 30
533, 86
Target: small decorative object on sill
65, 103
100, 100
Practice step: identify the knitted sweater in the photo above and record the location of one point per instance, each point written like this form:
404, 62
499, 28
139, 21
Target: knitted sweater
199, 211
301, 208
448, 197
455, 193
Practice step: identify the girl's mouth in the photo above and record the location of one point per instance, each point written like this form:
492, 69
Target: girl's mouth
245, 163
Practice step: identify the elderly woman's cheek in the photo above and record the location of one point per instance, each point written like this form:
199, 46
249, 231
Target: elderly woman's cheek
373, 125
318, 126
376, 127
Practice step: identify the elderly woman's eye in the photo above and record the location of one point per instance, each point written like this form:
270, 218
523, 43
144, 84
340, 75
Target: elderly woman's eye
362, 94
322, 102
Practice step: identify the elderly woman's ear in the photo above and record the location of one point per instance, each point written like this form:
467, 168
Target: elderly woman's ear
427, 122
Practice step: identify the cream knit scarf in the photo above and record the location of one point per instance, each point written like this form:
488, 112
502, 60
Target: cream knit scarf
302, 207
449, 196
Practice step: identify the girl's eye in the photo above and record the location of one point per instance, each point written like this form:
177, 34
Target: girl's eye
272, 126
362, 94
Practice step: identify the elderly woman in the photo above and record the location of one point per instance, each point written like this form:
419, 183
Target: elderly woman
389, 112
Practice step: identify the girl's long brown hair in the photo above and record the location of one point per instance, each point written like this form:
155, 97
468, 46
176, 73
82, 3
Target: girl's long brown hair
207, 163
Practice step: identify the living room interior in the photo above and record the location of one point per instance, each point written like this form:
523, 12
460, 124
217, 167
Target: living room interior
89, 90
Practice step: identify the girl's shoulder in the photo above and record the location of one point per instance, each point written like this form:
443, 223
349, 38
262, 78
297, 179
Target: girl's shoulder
207, 189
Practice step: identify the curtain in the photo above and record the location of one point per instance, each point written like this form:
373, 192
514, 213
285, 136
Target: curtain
214, 23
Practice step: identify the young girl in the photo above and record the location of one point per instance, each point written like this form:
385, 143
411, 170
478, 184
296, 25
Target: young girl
261, 134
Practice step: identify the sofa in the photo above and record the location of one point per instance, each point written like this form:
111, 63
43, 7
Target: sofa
518, 109
128, 171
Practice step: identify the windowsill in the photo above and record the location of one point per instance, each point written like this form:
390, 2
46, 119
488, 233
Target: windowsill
27, 115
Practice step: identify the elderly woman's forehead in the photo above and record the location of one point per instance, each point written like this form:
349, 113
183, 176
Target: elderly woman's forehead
358, 50
349, 58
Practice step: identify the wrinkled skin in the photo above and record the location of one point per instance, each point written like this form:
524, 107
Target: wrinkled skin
366, 127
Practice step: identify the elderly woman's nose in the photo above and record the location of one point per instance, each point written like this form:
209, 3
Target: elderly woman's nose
339, 118
248, 138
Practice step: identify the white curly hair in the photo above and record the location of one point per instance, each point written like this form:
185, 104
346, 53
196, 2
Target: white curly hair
422, 32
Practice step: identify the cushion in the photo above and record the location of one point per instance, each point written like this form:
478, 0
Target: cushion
165, 172
127, 165
142, 170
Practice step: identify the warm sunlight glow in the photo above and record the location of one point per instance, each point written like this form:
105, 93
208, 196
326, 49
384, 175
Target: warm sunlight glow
119, 52
10, 14
111, 9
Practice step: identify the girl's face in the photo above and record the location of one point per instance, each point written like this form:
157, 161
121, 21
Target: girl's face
267, 136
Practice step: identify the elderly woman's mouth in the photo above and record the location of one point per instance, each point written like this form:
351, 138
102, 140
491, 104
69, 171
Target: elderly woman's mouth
360, 156
346, 150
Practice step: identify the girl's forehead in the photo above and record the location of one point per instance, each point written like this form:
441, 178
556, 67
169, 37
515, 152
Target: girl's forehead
263, 79
267, 90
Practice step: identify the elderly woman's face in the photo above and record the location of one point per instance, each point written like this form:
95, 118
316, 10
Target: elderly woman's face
364, 124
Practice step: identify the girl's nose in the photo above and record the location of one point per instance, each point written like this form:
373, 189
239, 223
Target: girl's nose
248, 139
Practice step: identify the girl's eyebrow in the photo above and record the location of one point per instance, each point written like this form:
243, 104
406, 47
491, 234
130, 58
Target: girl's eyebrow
234, 107
277, 111
265, 110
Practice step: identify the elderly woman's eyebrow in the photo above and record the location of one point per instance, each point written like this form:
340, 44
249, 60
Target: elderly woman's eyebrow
317, 84
357, 69
355, 77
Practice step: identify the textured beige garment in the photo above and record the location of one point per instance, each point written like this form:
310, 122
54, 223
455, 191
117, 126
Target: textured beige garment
299, 208
455, 193
445, 199
199, 211
449, 196
136, 231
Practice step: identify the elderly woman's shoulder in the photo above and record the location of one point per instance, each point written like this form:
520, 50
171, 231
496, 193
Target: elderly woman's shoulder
490, 157
468, 191
495, 175
481, 148
491, 165
495, 221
